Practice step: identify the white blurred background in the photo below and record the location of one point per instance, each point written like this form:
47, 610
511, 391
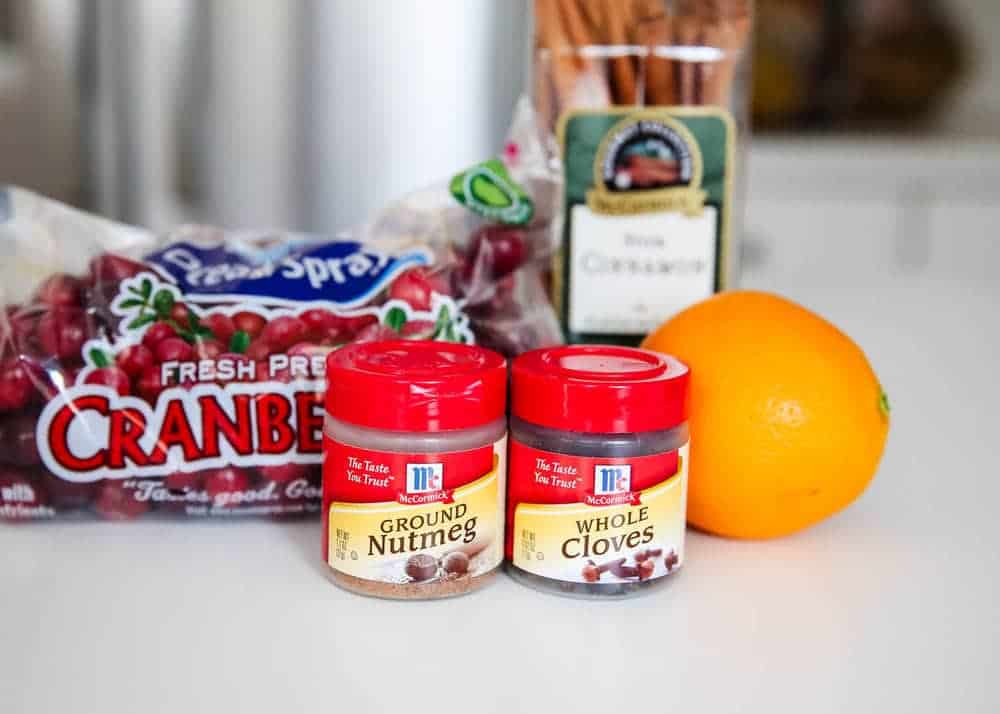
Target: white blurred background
306, 114
311, 113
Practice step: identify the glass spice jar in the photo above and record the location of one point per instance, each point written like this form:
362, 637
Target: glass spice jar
415, 444
598, 470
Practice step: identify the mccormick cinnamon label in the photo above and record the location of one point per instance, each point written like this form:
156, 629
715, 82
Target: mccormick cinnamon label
648, 203
413, 518
596, 520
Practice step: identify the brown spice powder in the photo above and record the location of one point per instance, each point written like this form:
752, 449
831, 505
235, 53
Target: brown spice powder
448, 586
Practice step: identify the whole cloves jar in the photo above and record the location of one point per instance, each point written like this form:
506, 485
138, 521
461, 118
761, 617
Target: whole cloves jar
414, 469
598, 470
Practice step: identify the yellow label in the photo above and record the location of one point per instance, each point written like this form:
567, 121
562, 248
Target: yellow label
566, 541
376, 540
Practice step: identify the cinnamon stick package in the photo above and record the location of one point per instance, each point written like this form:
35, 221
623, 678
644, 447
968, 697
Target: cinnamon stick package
647, 101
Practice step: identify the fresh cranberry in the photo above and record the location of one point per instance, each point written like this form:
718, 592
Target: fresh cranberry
60, 289
135, 359
173, 349
109, 268
353, 324
322, 324
18, 489
497, 250
182, 482
113, 377
222, 326
376, 333
249, 322
283, 332
115, 502
259, 350
180, 314
208, 349
157, 333
309, 349
150, 384
228, 480
15, 385
417, 330
17, 434
62, 332
235, 356
416, 287
67, 495
284, 473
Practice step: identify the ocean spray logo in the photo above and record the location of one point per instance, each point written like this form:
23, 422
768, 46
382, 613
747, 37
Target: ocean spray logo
424, 478
612, 478
345, 273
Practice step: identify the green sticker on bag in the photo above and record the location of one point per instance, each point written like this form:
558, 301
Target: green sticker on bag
488, 189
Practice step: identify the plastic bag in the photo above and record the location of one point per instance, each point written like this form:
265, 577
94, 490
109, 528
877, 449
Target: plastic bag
184, 374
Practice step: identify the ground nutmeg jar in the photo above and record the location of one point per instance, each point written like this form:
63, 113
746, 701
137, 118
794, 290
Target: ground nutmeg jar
598, 470
414, 474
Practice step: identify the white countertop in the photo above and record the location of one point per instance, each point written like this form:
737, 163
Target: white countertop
890, 606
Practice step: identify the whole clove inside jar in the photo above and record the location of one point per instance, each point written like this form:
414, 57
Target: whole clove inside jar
414, 468
598, 470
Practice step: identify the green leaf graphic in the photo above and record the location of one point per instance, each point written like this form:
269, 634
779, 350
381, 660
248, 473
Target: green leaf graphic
442, 322
239, 342
99, 358
396, 318
132, 302
163, 302
147, 287
141, 321
489, 190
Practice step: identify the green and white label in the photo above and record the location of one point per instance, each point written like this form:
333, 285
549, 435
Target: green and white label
489, 190
647, 203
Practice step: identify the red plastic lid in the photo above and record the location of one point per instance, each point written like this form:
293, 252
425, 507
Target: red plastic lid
416, 386
600, 389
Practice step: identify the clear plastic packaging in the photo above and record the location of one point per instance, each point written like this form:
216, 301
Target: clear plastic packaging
648, 102
183, 374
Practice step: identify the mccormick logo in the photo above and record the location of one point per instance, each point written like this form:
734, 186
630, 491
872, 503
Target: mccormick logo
424, 478
612, 478
425, 484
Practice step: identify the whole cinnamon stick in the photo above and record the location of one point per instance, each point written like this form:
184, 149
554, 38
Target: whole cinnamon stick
658, 79
623, 73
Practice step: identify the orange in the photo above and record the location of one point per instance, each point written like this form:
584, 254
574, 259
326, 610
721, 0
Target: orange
788, 421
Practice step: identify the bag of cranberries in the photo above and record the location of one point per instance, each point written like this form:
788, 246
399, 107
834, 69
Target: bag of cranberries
184, 374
